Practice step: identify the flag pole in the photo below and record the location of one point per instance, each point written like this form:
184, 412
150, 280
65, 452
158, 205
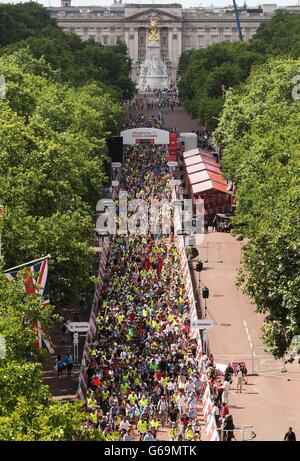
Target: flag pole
27, 264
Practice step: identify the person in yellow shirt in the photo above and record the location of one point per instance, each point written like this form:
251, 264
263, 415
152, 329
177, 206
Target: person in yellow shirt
142, 428
173, 432
155, 424
189, 434
132, 398
143, 402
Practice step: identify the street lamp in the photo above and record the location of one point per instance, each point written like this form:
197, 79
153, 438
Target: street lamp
205, 296
199, 268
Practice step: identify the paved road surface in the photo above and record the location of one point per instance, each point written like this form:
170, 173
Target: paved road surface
269, 402
180, 119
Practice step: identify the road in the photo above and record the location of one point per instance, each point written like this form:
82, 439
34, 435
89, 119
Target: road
270, 401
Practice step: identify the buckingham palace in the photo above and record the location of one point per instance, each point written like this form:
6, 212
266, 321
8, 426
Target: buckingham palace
179, 28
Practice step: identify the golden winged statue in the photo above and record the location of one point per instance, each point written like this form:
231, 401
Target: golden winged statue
153, 36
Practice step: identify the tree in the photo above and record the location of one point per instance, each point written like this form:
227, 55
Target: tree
53, 149
203, 71
259, 133
29, 27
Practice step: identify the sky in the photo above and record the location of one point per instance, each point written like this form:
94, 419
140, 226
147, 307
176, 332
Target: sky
184, 3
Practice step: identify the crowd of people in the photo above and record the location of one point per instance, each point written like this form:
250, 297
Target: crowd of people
144, 370
143, 375
166, 98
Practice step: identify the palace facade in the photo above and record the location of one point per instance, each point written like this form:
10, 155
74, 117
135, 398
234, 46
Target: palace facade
179, 29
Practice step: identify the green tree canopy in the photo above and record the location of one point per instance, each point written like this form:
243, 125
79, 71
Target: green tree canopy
203, 71
29, 26
259, 132
52, 153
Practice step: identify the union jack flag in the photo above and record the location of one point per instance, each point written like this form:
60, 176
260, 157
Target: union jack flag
35, 279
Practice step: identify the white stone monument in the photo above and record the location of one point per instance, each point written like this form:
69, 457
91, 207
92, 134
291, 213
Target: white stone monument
153, 71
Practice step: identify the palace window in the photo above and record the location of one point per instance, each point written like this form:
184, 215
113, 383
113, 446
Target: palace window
214, 39
200, 41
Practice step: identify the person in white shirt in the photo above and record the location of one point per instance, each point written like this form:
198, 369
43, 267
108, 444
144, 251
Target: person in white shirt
190, 386
181, 404
124, 426
181, 380
171, 387
128, 437
225, 393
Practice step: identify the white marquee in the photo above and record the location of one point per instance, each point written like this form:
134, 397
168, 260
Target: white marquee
135, 135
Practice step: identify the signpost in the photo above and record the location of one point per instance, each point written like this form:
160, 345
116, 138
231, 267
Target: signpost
78, 327
175, 182
201, 324
75, 344
205, 338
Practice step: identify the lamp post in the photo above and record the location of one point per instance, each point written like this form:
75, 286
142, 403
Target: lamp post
205, 296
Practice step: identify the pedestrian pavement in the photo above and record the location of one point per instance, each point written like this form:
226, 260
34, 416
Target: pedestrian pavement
64, 388
270, 401
178, 118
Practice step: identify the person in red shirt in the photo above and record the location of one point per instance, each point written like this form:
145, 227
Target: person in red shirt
132, 316
96, 381
159, 265
185, 420
157, 375
224, 410
146, 264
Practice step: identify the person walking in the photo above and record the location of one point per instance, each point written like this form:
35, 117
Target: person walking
148, 436
225, 393
59, 364
173, 432
239, 381
69, 363
228, 373
290, 436
245, 373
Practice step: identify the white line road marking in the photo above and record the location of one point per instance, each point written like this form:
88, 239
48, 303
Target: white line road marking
249, 339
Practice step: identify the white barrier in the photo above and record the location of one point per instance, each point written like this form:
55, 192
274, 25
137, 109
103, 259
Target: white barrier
180, 245
83, 379
210, 422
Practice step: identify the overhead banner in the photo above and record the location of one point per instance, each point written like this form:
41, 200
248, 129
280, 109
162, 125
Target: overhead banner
138, 135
